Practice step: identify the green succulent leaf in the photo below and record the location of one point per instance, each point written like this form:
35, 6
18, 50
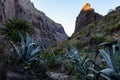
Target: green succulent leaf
16, 49
106, 58
107, 71
27, 50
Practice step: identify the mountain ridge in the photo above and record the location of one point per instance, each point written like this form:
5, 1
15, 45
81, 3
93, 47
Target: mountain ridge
105, 28
46, 30
102, 29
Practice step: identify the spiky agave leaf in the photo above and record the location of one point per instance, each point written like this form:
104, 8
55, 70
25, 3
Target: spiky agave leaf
107, 73
16, 49
30, 49
74, 58
22, 41
28, 39
27, 50
106, 58
113, 50
35, 51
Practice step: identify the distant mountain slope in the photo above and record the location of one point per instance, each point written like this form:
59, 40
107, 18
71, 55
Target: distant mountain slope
92, 29
97, 28
46, 30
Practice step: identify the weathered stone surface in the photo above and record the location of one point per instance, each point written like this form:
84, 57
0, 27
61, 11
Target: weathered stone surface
46, 30
86, 17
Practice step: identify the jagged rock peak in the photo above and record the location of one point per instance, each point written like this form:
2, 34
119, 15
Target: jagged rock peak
87, 7
86, 16
46, 30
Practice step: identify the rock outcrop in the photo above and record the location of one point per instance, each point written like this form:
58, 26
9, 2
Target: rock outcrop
92, 29
86, 16
87, 7
46, 30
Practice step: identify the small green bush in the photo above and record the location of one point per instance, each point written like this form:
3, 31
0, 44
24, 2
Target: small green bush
79, 43
93, 24
12, 27
97, 39
110, 28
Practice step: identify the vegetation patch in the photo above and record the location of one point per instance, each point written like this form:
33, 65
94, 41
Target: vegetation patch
97, 39
13, 27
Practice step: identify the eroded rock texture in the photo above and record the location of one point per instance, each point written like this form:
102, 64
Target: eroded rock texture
46, 30
86, 16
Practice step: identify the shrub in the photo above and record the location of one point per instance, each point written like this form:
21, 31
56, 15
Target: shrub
97, 39
93, 24
110, 28
52, 60
12, 28
79, 44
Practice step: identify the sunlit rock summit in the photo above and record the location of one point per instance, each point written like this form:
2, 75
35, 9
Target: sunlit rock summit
87, 7
46, 30
86, 16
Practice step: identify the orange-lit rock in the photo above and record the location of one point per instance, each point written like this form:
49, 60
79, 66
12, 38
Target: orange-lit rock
87, 6
86, 16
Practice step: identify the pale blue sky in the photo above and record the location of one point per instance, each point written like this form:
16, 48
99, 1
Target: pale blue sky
66, 11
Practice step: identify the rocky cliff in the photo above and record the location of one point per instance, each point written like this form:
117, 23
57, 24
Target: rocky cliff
92, 29
46, 30
85, 17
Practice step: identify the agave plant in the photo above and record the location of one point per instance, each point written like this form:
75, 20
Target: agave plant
110, 52
27, 49
81, 64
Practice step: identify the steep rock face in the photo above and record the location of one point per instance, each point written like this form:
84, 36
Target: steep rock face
86, 17
46, 30
93, 29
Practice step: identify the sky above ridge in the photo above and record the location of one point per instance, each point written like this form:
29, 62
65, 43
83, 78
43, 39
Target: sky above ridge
66, 11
